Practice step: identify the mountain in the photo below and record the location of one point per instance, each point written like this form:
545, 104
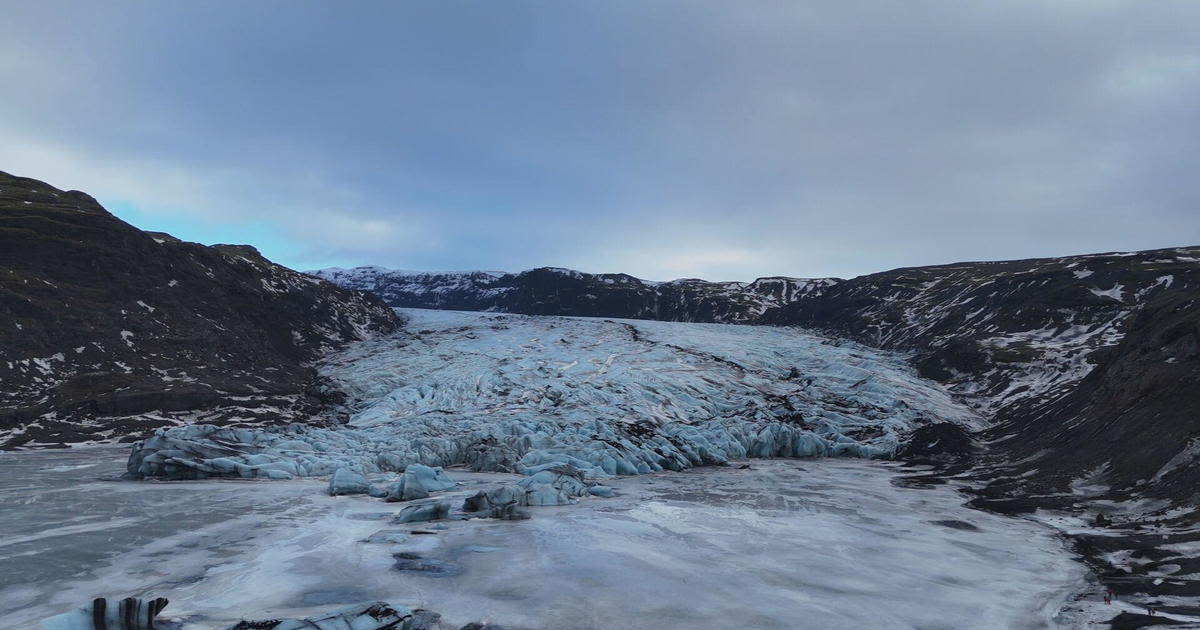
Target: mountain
999, 333
1088, 368
1131, 424
1003, 333
106, 330
556, 291
1052, 348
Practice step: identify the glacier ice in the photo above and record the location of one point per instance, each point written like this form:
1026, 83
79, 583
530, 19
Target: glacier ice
514, 393
346, 481
420, 512
553, 485
500, 502
370, 616
417, 482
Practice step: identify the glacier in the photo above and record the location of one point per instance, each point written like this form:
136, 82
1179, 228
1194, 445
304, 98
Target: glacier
514, 393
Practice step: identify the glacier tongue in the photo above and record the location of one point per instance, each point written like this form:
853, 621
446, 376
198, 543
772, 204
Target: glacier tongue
517, 393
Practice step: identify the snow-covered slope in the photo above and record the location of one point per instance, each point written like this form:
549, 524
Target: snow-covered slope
1010, 334
511, 392
557, 291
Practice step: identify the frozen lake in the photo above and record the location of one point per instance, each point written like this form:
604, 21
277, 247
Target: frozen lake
786, 544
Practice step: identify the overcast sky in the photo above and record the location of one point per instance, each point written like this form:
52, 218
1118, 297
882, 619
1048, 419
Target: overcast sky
725, 140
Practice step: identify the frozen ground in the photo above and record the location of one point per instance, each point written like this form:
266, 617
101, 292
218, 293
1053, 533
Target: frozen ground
786, 544
511, 392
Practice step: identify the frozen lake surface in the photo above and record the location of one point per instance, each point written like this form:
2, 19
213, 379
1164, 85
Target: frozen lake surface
827, 543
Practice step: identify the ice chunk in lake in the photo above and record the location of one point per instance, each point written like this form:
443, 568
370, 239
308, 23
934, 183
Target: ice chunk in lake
434, 511
500, 502
555, 485
346, 481
418, 482
607, 397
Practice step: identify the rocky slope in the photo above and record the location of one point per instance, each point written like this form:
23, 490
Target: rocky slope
106, 330
556, 291
1006, 333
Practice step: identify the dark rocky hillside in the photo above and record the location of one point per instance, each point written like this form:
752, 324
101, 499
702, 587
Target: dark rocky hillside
1122, 451
1006, 333
555, 291
106, 330
1134, 421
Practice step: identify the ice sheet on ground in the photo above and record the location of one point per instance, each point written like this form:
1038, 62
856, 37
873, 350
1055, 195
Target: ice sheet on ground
824, 544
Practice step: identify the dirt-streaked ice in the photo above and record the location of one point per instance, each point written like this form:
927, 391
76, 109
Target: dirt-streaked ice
610, 397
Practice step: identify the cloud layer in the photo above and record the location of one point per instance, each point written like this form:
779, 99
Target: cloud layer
714, 139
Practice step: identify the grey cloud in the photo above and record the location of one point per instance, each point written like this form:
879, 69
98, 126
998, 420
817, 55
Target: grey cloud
662, 139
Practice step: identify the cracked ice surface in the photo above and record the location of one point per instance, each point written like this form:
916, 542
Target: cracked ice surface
511, 392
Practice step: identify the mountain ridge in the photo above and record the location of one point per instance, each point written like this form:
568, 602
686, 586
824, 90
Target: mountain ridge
109, 331
560, 291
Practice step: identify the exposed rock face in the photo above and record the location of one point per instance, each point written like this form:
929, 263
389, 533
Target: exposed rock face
1133, 424
1006, 333
106, 330
554, 291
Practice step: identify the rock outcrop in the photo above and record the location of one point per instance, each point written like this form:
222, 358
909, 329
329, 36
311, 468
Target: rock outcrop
108, 331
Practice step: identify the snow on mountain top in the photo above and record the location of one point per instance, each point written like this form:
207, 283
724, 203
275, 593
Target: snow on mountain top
375, 270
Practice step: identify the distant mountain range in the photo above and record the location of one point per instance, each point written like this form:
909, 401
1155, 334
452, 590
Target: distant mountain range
556, 291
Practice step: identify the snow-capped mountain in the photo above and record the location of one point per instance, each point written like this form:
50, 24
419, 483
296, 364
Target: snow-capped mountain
107, 331
1037, 345
1002, 332
556, 291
